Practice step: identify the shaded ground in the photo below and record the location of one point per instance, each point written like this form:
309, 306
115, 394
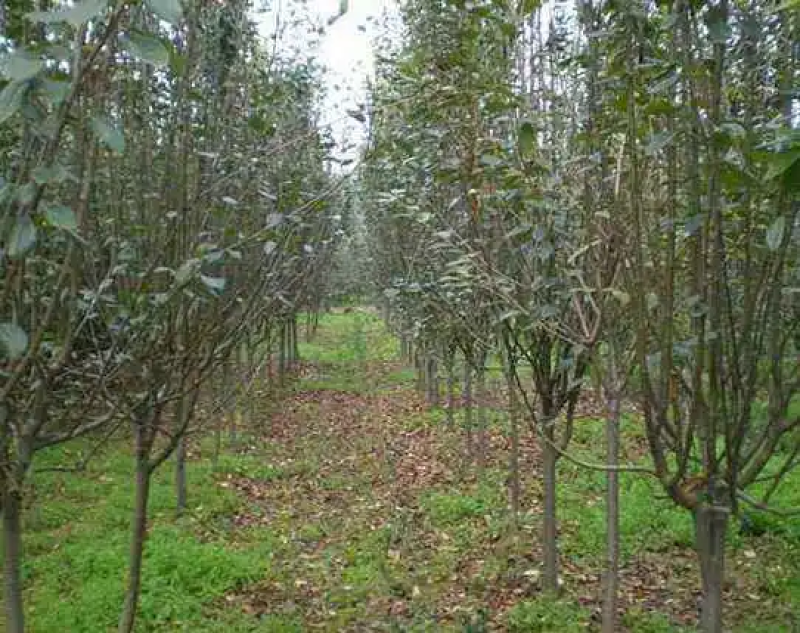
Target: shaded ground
394, 529
348, 505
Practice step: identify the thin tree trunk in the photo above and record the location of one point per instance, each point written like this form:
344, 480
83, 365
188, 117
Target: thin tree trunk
12, 559
513, 458
432, 376
451, 392
468, 406
418, 364
138, 535
711, 523
282, 356
295, 342
180, 476
217, 445
480, 375
549, 523
611, 580
183, 414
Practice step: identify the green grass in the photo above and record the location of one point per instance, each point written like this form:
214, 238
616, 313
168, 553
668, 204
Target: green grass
332, 545
76, 545
547, 616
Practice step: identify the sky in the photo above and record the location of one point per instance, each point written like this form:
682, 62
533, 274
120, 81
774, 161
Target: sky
344, 48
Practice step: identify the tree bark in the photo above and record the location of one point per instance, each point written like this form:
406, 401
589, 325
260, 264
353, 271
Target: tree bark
418, 364
282, 356
513, 458
432, 379
468, 406
451, 392
295, 342
611, 579
549, 523
180, 477
711, 523
12, 559
138, 535
480, 376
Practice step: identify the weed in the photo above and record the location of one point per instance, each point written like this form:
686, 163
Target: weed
546, 615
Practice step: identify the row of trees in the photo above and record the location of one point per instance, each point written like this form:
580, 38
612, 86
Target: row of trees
166, 212
607, 192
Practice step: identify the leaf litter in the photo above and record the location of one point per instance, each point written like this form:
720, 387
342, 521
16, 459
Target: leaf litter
357, 550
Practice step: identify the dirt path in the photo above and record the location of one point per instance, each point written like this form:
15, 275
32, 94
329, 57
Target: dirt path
380, 524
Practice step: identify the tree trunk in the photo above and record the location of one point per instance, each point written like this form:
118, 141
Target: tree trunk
138, 535
611, 580
451, 392
387, 312
282, 356
468, 406
513, 458
295, 341
550, 529
418, 364
480, 375
12, 559
180, 476
217, 445
432, 379
711, 523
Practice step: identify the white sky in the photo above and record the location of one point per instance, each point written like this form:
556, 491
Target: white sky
344, 48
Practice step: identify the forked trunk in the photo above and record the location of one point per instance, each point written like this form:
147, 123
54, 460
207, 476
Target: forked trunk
549, 527
711, 524
12, 560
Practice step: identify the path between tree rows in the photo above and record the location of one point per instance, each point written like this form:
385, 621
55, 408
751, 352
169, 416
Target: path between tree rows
381, 524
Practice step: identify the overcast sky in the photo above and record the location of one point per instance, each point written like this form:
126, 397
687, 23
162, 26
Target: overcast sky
344, 48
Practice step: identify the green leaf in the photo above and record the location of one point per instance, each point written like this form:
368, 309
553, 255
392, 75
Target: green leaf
187, 270
13, 339
168, 10
781, 162
214, 284
775, 233
109, 135
20, 65
11, 99
526, 139
718, 28
43, 175
344, 5
528, 6
54, 91
656, 142
789, 5
620, 295
22, 238
76, 15
62, 217
147, 48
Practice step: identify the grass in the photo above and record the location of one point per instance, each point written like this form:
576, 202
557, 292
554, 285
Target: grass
76, 540
351, 509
